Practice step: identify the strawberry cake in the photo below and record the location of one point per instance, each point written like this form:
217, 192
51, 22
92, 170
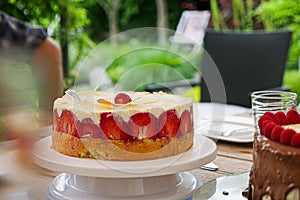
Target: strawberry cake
275, 174
122, 126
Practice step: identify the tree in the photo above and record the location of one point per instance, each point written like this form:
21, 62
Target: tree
66, 18
284, 14
111, 9
162, 19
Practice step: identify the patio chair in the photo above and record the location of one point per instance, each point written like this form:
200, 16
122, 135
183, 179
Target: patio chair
246, 62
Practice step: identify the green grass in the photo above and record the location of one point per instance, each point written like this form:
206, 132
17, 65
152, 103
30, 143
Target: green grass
193, 93
292, 80
136, 64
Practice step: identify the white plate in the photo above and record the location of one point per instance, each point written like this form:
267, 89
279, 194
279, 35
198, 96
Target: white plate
212, 110
213, 119
228, 187
202, 152
238, 135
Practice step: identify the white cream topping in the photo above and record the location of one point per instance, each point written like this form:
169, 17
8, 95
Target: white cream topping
155, 103
295, 127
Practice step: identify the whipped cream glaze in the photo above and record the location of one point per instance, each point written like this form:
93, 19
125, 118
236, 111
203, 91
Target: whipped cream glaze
155, 103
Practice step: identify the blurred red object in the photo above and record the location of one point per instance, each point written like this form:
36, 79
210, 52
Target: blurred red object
188, 6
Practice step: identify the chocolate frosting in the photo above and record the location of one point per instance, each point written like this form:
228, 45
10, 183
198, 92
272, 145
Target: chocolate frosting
276, 169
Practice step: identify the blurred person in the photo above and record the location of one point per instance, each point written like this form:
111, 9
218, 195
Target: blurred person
21, 42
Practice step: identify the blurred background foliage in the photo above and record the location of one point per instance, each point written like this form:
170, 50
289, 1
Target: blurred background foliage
79, 25
278, 14
248, 15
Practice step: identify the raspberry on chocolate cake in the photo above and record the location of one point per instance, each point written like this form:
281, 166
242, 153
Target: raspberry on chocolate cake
275, 174
122, 125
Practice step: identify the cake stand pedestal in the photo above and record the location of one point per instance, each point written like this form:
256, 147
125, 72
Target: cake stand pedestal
164, 179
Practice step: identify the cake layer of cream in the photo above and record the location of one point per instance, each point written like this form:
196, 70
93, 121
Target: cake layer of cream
89, 107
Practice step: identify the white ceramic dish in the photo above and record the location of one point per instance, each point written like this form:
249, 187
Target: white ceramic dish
213, 119
202, 152
212, 110
228, 187
238, 135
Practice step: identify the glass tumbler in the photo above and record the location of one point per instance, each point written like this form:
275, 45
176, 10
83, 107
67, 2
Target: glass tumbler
271, 101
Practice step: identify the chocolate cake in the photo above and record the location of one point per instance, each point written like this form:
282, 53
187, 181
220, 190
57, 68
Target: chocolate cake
275, 174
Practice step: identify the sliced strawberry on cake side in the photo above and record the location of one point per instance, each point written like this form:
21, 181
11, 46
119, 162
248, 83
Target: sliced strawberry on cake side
185, 122
87, 128
113, 126
168, 123
55, 121
143, 125
68, 123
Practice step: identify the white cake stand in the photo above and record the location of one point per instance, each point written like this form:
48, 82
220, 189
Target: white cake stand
84, 178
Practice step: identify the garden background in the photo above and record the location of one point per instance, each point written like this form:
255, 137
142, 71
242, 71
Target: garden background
79, 25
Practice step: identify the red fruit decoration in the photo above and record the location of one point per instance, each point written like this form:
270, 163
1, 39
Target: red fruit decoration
168, 123
286, 136
185, 122
143, 125
68, 123
295, 142
282, 118
274, 117
272, 126
264, 125
268, 129
122, 98
262, 119
113, 126
276, 132
87, 128
56, 121
293, 117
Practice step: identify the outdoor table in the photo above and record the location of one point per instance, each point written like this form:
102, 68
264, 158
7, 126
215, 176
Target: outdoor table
26, 180
29, 182
231, 159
